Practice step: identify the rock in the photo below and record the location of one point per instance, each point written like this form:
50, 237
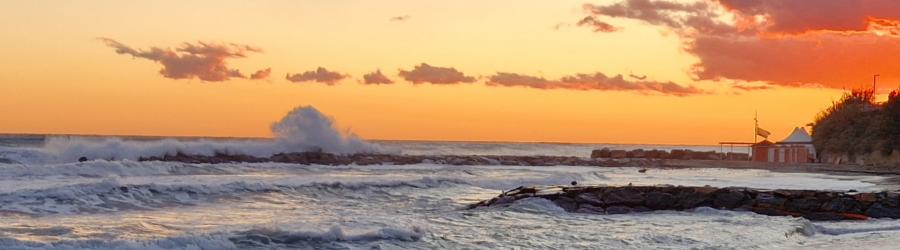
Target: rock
770, 200
813, 205
677, 154
638, 153
803, 204
618, 210
600, 153
82, 159
663, 155
624, 197
640, 209
566, 203
842, 205
689, 199
660, 200
590, 209
618, 154
879, 210
589, 198
729, 199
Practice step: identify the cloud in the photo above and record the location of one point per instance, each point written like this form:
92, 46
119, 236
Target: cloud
595, 81
751, 87
261, 74
319, 75
400, 18
376, 78
423, 73
599, 26
793, 16
828, 43
206, 61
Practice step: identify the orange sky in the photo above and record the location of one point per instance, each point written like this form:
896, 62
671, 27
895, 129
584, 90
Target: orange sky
57, 77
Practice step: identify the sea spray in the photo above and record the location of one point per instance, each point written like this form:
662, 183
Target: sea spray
303, 129
307, 129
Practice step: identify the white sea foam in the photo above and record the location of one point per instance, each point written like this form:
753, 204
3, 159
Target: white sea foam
302, 129
126, 204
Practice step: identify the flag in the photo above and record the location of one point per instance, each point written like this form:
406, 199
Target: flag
763, 133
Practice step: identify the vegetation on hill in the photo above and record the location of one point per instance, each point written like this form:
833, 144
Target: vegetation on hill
857, 125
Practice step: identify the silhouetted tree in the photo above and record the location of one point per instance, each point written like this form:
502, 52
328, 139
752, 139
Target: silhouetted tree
891, 123
853, 125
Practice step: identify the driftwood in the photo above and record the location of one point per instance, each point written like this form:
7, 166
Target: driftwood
810, 204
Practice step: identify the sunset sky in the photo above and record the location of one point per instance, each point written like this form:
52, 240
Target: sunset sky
614, 71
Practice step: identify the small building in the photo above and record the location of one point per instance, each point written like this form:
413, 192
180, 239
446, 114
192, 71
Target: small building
795, 148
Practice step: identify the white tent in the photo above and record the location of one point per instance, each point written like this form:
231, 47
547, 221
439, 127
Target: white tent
798, 136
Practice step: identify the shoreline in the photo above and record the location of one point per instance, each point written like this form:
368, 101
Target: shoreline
891, 177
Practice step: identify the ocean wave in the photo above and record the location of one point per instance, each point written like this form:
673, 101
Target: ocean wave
183, 242
536, 205
104, 168
875, 225
262, 238
111, 196
293, 239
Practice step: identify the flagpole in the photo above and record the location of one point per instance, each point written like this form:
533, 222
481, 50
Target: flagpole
755, 131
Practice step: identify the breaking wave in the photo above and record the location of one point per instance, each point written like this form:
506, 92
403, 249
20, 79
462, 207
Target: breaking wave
111, 196
263, 238
302, 129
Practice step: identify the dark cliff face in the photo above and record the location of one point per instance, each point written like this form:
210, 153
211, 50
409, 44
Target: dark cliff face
813, 205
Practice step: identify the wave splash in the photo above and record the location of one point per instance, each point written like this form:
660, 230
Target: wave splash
303, 129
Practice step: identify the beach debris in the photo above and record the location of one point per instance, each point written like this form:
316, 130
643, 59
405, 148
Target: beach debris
810, 204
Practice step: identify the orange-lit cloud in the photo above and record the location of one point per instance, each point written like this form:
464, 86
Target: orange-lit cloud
798, 16
424, 73
400, 18
321, 75
261, 74
206, 61
830, 43
595, 81
599, 26
376, 78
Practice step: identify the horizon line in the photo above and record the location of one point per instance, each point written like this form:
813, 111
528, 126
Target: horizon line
368, 139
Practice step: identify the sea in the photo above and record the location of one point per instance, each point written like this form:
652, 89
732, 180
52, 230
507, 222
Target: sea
50, 200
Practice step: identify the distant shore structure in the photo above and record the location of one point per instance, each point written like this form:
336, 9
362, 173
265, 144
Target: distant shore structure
795, 148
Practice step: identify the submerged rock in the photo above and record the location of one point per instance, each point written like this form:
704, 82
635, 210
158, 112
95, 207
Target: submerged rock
810, 204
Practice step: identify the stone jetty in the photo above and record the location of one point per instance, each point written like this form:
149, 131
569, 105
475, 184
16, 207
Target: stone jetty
810, 204
321, 158
675, 154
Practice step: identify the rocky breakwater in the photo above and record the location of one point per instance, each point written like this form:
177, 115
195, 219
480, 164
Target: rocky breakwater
810, 204
321, 158
675, 154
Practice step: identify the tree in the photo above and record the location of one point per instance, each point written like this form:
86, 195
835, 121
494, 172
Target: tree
852, 125
891, 123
